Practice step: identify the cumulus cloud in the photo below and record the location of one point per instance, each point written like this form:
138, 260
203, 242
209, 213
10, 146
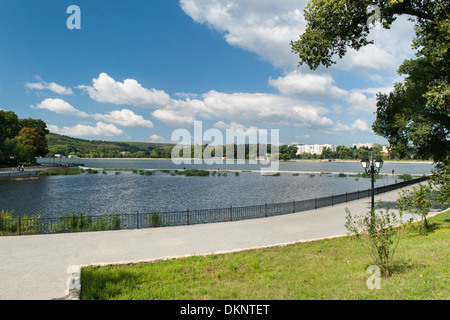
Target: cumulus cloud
124, 117
258, 108
264, 27
128, 92
61, 107
156, 138
310, 85
390, 48
236, 126
80, 130
358, 126
56, 88
175, 118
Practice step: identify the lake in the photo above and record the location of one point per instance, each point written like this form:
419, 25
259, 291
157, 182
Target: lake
129, 192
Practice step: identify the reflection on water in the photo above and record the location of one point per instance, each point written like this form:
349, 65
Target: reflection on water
128, 192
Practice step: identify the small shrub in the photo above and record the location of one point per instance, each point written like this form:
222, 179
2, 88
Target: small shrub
196, 172
154, 219
379, 233
405, 177
276, 174
417, 201
10, 225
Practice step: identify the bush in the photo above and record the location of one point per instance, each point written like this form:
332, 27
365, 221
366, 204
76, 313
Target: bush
76, 222
10, 225
417, 201
405, 177
60, 172
154, 219
379, 233
195, 172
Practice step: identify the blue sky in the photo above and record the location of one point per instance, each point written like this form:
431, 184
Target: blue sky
138, 70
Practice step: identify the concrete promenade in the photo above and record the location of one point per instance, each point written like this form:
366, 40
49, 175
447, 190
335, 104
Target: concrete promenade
38, 266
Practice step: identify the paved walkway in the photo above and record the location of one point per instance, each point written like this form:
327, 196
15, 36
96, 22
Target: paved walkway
38, 266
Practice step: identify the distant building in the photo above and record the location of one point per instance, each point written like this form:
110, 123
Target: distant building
366, 145
385, 150
314, 148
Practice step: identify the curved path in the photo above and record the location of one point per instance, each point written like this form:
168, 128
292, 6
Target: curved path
40, 266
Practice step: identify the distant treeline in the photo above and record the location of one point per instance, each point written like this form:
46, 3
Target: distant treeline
65, 146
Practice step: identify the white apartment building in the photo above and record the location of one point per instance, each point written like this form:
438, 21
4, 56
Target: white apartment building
366, 145
314, 148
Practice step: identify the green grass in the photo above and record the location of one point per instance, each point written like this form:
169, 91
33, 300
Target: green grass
326, 269
194, 172
60, 172
405, 176
271, 174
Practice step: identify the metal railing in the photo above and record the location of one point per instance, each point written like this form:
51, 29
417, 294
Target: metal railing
86, 222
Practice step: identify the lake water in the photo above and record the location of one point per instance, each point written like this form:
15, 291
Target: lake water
299, 166
128, 192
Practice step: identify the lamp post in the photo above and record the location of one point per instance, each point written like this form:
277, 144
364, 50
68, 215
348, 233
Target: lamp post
372, 168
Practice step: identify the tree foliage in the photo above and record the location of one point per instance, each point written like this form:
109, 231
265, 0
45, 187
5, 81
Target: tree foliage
336, 25
21, 140
415, 116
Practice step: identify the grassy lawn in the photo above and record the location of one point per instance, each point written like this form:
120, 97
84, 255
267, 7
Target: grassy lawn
327, 269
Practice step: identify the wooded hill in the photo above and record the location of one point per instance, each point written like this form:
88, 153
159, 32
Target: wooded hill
65, 146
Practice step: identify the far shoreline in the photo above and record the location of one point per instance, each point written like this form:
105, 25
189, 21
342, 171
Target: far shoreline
290, 160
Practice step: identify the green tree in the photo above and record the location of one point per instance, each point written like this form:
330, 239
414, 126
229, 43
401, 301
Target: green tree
415, 117
9, 128
34, 142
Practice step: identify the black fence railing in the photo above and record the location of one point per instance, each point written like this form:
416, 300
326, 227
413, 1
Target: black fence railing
86, 222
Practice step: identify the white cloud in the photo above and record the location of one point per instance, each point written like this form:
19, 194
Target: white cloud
61, 107
263, 108
174, 118
265, 27
236, 126
80, 130
124, 117
56, 88
390, 48
156, 138
358, 126
311, 85
129, 92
